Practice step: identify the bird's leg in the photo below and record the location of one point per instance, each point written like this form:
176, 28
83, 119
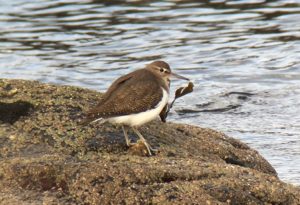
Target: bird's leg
150, 150
126, 136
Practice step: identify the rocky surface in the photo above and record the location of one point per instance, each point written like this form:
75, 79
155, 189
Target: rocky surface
47, 157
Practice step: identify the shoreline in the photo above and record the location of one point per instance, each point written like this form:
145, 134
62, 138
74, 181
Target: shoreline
46, 156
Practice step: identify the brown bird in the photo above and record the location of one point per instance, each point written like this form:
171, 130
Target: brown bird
135, 99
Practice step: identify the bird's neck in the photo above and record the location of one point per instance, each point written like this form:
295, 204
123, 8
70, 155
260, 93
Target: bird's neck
167, 83
164, 83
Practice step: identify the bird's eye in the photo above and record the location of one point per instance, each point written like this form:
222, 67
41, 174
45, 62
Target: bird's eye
161, 70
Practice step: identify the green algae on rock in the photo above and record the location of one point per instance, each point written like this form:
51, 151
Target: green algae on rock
47, 157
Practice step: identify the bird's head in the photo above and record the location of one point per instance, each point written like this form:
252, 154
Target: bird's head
162, 69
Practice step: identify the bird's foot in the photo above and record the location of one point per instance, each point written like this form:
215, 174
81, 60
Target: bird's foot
142, 148
155, 151
130, 144
151, 151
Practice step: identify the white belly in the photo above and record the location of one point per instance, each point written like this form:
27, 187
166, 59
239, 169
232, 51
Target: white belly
143, 117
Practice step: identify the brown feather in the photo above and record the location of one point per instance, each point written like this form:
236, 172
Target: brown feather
135, 92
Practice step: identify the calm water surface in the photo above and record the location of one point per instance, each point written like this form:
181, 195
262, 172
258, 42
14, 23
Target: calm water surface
243, 56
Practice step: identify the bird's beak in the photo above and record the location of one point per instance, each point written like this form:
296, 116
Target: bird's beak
179, 76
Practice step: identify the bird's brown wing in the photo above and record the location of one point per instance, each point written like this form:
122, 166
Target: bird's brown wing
116, 84
137, 93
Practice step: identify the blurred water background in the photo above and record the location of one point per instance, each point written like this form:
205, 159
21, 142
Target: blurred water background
243, 56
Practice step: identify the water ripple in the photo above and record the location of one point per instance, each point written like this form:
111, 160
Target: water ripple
243, 57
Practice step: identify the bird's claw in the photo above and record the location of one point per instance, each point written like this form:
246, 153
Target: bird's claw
129, 143
150, 150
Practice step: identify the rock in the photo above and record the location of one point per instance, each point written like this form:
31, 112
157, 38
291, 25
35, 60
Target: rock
47, 157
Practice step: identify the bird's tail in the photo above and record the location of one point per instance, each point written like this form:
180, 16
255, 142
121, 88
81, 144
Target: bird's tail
87, 121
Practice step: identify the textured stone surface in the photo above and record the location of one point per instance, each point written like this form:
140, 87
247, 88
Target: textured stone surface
46, 156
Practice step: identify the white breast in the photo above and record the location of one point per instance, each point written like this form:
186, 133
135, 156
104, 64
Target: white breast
138, 119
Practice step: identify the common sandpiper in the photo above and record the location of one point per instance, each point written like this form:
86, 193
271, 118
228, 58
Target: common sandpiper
135, 99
